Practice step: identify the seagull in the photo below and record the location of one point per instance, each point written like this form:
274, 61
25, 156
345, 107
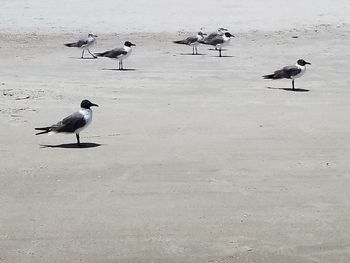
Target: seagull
219, 41
84, 44
290, 72
192, 41
118, 53
220, 32
74, 123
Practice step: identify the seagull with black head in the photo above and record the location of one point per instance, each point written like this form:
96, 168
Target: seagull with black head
290, 72
74, 123
118, 53
219, 41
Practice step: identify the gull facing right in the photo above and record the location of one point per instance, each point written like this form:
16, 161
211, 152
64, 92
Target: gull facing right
192, 41
84, 44
118, 53
290, 72
74, 123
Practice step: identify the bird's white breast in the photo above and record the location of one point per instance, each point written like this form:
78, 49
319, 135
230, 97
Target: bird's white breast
226, 41
87, 114
91, 42
303, 69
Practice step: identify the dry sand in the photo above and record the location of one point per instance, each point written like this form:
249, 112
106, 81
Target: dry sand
189, 158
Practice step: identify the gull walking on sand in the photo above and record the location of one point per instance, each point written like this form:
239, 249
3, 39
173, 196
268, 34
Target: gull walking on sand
84, 44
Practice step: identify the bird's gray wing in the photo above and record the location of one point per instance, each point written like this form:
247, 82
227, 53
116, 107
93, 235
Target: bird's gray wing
70, 123
191, 40
290, 71
211, 36
80, 43
114, 53
215, 41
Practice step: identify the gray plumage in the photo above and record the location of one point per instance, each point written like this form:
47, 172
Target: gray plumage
69, 124
118, 53
114, 53
74, 123
290, 72
193, 41
84, 44
187, 41
219, 41
285, 73
80, 43
212, 35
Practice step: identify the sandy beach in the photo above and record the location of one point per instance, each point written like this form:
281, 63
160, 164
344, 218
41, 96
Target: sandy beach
188, 158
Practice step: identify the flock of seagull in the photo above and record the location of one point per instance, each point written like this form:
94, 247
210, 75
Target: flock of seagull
78, 121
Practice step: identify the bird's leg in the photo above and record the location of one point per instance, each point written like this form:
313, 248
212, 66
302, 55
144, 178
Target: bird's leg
219, 52
293, 83
82, 54
192, 50
92, 54
121, 63
196, 51
78, 138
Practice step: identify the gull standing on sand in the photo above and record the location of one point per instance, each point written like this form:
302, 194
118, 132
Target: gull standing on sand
290, 72
220, 32
219, 41
118, 53
74, 123
193, 41
84, 44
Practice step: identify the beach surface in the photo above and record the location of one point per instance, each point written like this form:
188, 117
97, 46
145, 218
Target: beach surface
188, 158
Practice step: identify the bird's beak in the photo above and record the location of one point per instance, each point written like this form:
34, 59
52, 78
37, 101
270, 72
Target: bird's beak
204, 34
133, 45
95, 35
93, 104
308, 63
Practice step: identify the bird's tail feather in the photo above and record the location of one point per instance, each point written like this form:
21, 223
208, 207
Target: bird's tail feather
102, 54
271, 76
183, 42
71, 45
44, 130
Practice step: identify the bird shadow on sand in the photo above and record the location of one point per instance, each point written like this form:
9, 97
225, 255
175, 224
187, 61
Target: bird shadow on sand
222, 56
290, 89
72, 145
115, 69
223, 49
82, 58
190, 54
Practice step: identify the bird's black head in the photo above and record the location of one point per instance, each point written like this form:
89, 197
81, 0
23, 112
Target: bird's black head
92, 35
128, 44
222, 29
227, 34
86, 104
302, 62
200, 33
